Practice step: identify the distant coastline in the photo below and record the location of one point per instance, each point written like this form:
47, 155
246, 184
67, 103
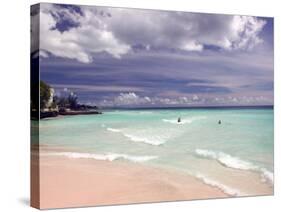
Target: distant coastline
52, 105
50, 114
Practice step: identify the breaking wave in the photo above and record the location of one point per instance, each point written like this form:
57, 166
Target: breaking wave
226, 160
106, 157
225, 189
153, 140
113, 129
141, 136
267, 176
184, 120
235, 163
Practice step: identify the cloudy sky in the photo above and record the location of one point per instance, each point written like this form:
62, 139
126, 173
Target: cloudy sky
132, 57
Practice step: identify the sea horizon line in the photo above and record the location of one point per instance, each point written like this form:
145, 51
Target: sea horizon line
190, 107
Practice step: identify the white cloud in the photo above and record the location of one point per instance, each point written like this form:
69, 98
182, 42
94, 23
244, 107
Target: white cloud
195, 98
192, 46
91, 36
245, 31
131, 99
146, 98
187, 31
117, 30
127, 98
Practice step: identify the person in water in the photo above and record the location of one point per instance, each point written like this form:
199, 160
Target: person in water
219, 122
179, 119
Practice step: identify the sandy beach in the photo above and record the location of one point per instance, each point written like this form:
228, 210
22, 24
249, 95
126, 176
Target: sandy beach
66, 182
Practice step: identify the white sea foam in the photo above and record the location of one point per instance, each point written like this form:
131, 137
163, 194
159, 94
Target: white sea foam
226, 160
236, 163
184, 120
225, 189
107, 156
141, 136
145, 112
175, 121
113, 129
267, 176
153, 140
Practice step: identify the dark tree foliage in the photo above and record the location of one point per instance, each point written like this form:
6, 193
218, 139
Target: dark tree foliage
72, 100
62, 102
45, 93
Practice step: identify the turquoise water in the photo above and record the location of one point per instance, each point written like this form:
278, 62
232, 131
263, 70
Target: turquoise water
230, 156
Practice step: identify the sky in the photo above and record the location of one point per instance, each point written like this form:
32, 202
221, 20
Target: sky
119, 57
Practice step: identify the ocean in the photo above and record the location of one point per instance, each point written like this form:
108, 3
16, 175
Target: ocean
235, 156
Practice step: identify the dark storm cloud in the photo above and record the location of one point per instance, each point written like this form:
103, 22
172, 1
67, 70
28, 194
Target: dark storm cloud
107, 55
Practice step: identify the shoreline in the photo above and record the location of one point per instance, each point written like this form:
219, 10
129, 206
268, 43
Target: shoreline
54, 114
67, 182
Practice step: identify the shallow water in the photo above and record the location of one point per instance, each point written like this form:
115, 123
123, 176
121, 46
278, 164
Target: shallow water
235, 156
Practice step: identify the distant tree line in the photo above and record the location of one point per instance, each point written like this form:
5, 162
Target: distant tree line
45, 94
62, 103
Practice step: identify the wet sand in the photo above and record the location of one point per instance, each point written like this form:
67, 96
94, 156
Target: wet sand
67, 182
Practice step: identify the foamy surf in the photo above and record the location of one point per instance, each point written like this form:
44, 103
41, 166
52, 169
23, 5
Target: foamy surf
156, 141
267, 176
140, 136
174, 121
106, 157
184, 120
226, 160
113, 129
236, 163
225, 189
